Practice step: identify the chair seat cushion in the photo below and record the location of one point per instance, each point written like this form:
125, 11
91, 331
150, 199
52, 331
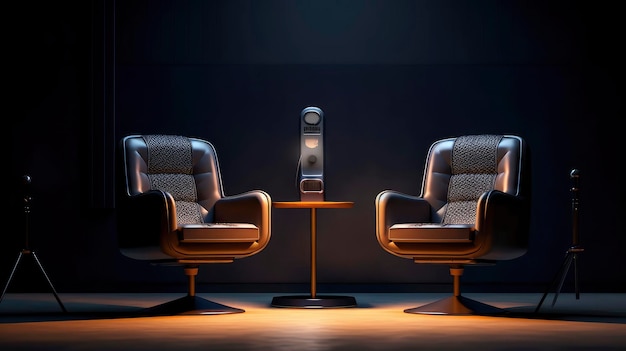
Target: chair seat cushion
431, 233
219, 233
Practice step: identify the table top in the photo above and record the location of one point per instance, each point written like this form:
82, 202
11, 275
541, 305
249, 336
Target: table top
313, 204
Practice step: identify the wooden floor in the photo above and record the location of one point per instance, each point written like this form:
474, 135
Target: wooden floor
35, 321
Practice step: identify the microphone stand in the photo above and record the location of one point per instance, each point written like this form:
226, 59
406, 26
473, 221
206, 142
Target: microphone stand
571, 254
26, 250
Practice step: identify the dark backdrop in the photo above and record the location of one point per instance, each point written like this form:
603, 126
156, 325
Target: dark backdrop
391, 78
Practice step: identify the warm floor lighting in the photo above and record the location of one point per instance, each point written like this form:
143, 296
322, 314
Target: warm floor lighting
102, 322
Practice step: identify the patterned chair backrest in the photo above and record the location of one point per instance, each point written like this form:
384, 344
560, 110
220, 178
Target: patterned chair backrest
170, 169
474, 172
186, 168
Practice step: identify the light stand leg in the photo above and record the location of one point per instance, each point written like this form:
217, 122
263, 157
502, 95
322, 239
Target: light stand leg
575, 257
19, 258
565, 269
17, 262
56, 296
570, 257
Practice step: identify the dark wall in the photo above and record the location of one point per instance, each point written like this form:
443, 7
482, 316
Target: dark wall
391, 77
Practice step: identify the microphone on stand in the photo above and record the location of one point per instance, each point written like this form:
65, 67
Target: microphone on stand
311, 163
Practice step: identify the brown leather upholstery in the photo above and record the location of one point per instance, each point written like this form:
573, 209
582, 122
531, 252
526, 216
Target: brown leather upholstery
148, 225
412, 227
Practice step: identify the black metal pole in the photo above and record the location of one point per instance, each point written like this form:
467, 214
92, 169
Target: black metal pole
575, 175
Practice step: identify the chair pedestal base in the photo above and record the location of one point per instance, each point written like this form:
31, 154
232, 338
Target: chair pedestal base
189, 305
456, 305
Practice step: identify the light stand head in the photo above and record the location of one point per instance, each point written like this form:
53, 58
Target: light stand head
26, 181
575, 176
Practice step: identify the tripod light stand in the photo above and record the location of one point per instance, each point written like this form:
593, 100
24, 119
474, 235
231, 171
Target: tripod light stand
26, 250
571, 255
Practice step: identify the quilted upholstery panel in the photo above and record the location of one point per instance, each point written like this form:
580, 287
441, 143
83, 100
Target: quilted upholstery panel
474, 171
170, 168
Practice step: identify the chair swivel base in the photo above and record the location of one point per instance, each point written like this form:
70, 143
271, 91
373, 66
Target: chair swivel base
306, 301
456, 305
189, 305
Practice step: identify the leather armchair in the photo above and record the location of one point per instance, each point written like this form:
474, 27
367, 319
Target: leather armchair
171, 210
473, 210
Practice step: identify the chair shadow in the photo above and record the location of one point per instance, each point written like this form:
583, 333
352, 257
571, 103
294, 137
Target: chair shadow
578, 315
83, 312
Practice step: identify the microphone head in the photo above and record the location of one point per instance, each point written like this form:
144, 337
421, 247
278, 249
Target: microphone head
574, 173
26, 179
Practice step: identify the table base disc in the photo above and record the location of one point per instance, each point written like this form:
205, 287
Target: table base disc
306, 301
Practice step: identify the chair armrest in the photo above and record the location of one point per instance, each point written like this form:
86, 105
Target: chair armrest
252, 207
503, 221
145, 218
248, 207
394, 207
397, 207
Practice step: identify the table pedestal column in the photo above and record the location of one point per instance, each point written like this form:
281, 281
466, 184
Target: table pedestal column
313, 300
